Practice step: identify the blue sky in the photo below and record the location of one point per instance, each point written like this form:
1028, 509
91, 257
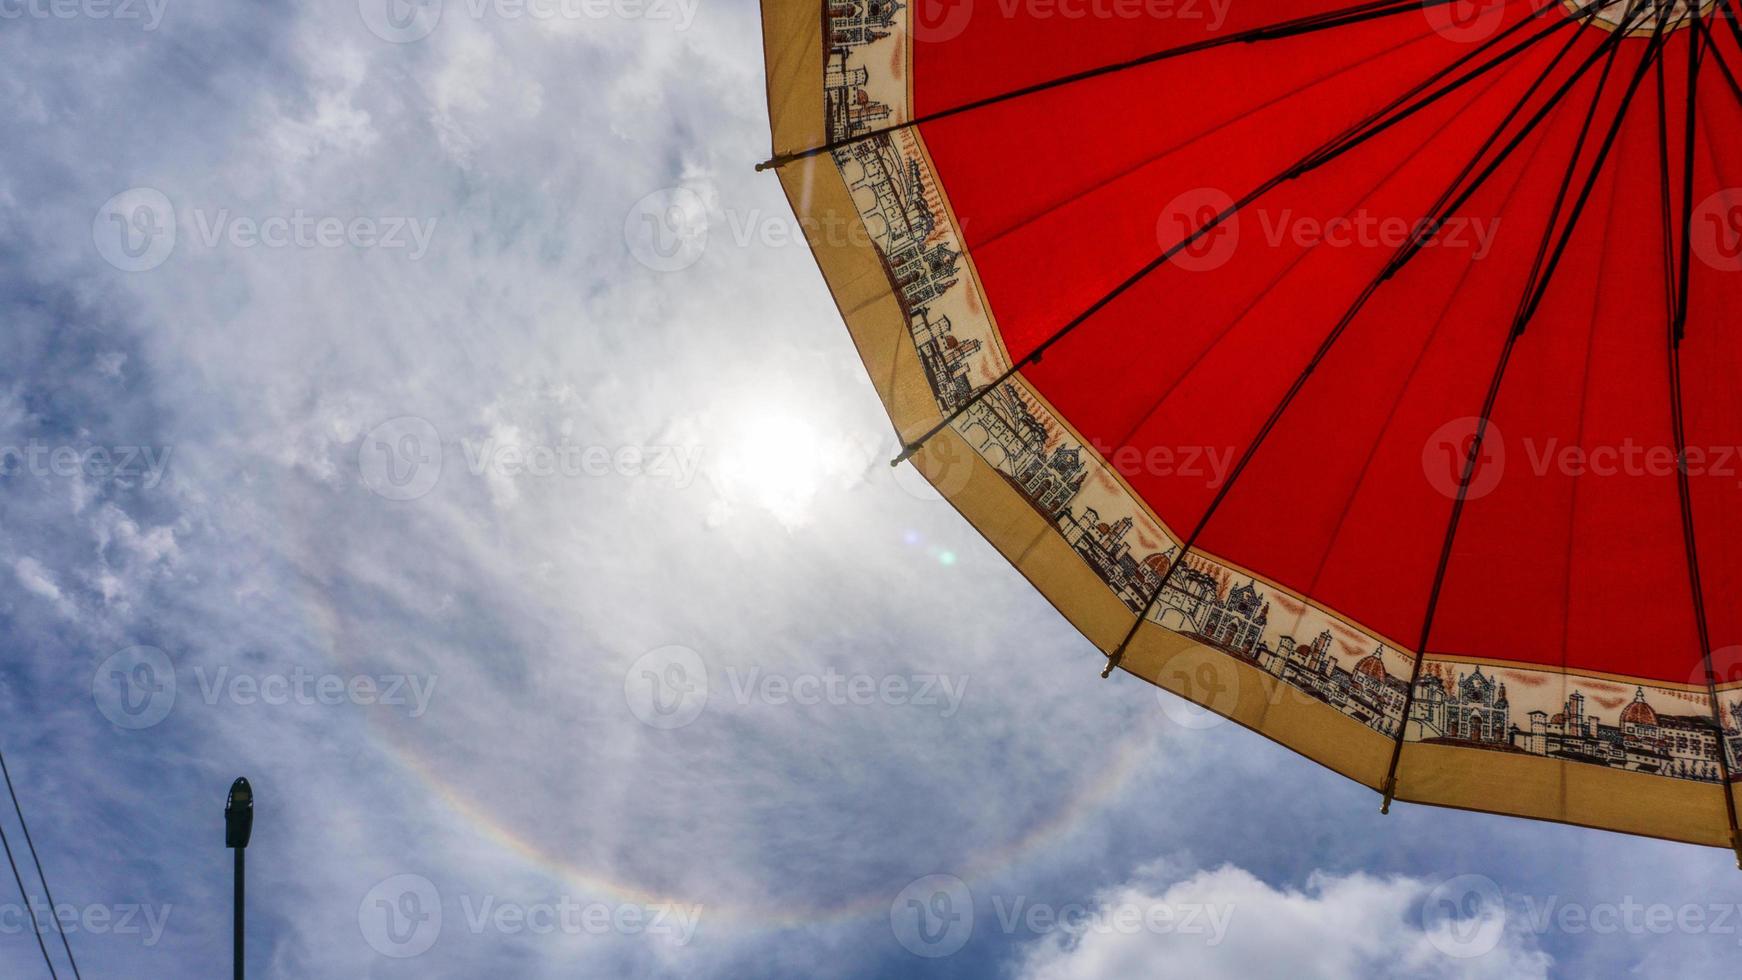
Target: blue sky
485, 473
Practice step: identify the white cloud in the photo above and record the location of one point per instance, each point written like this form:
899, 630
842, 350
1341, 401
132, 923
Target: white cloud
38, 580
1338, 927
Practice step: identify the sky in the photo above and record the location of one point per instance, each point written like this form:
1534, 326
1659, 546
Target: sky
436, 420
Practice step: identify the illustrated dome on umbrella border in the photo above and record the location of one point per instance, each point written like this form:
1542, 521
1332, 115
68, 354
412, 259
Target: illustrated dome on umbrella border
849, 141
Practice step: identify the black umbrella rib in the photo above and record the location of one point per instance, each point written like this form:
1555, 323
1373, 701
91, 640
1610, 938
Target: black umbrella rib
1684, 492
1360, 13
1443, 208
1375, 123
1717, 55
1696, 59
1542, 274
1666, 197
1729, 16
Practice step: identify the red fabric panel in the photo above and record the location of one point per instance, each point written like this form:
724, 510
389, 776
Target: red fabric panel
1063, 195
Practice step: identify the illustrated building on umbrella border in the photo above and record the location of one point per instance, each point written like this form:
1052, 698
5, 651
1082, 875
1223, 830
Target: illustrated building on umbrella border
889, 184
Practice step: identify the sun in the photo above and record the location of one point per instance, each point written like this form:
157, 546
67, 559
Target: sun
780, 461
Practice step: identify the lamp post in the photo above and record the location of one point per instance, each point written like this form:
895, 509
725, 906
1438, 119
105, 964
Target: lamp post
238, 826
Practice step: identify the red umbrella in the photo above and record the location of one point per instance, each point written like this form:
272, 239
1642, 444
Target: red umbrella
1364, 373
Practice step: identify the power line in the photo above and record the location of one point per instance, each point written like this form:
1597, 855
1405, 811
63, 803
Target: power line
39, 873
25, 898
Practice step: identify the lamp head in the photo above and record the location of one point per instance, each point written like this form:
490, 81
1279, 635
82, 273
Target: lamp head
239, 814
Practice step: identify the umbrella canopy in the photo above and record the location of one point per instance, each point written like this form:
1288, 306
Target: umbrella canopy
1366, 374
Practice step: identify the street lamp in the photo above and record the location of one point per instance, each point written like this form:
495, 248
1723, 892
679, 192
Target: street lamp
238, 827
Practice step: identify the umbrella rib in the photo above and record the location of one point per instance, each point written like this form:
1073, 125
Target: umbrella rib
1537, 286
1696, 58
1730, 17
1666, 198
1684, 492
1442, 209
1349, 139
1360, 13
1717, 55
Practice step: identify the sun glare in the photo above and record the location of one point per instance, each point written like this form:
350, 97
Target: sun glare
780, 461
